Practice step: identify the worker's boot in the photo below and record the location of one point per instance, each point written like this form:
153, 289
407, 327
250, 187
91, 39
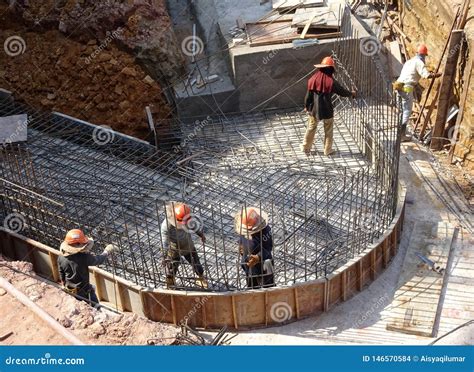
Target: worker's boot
202, 282
405, 137
170, 282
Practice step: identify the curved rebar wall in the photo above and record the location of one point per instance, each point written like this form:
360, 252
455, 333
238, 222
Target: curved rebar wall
323, 211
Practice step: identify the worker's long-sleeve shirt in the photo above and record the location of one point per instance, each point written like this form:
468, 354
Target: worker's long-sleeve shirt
74, 269
260, 243
413, 70
320, 104
179, 237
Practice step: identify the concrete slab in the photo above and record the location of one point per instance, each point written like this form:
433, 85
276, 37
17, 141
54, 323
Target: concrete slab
415, 306
13, 128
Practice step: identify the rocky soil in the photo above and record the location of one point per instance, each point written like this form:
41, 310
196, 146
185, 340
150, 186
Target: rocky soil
89, 59
90, 325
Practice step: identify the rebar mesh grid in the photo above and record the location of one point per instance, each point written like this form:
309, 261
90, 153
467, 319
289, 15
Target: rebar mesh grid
323, 211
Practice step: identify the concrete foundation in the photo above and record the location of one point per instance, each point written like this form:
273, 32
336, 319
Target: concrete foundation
250, 78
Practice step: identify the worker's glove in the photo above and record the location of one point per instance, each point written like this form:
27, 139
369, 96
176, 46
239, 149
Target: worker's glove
435, 75
253, 260
111, 248
354, 94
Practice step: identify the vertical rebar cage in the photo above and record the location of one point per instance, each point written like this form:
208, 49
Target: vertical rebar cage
323, 211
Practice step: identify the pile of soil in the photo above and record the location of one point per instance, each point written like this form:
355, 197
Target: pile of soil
90, 325
93, 80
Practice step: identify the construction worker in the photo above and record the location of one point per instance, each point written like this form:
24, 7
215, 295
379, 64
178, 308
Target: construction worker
74, 264
177, 241
255, 246
318, 104
413, 70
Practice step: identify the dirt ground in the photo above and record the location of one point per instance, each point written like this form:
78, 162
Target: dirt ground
101, 327
92, 79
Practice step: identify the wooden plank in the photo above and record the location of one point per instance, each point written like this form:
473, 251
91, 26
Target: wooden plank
416, 300
462, 105
326, 17
396, 61
445, 94
286, 5
306, 27
281, 32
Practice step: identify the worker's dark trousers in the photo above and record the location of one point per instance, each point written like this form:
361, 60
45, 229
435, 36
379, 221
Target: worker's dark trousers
88, 294
256, 278
189, 253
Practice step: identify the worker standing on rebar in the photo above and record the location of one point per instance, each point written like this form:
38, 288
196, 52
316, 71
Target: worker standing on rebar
255, 246
177, 241
318, 104
73, 264
413, 70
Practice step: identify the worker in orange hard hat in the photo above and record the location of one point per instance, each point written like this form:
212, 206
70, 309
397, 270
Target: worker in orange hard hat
256, 246
318, 104
74, 262
413, 70
177, 241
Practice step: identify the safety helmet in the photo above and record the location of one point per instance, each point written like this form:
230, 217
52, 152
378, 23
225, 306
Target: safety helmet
76, 236
326, 62
250, 217
181, 211
422, 49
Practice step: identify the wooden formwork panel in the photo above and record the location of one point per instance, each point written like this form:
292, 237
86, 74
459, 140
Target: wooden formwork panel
219, 312
335, 290
352, 280
249, 308
158, 306
239, 310
310, 298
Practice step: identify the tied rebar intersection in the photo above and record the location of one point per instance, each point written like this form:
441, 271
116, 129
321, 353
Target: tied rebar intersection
323, 210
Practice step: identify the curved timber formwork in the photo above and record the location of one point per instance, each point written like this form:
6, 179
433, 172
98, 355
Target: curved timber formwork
335, 220
237, 310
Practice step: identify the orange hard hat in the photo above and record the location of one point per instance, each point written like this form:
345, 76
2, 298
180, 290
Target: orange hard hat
181, 211
250, 217
422, 49
76, 236
326, 62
